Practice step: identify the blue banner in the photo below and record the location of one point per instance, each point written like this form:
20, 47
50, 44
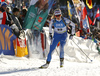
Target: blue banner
50, 2
6, 40
69, 10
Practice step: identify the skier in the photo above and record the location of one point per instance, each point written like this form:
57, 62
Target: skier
60, 34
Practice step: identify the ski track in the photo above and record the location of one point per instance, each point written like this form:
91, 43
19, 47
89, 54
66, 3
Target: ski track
29, 67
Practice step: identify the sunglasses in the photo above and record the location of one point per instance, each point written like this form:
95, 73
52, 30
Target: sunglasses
57, 15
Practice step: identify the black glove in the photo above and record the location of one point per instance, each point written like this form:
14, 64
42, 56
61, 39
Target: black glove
50, 36
71, 37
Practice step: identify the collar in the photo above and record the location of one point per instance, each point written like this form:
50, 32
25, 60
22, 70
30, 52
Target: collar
38, 10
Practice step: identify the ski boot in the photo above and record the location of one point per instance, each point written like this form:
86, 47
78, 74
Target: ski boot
61, 62
45, 65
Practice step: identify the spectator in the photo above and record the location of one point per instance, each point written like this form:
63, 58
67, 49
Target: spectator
22, 16
35, 20
3, 16
82, 35
8, 16
16, 26
0, 4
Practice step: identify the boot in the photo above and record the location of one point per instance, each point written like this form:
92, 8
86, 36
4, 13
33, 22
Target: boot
45, 65
61, 62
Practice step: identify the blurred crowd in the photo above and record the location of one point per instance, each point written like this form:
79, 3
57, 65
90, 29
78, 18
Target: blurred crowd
16, 17
94, 33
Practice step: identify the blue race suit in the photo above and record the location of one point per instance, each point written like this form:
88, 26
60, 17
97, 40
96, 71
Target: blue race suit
60, 34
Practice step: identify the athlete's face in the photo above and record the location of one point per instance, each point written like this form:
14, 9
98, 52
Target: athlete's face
58, 17
43, 2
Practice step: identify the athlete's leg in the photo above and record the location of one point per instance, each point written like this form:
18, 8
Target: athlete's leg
62, 44
53, 45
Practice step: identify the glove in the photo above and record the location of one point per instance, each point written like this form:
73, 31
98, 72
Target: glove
71, 37
50, 36
14, 26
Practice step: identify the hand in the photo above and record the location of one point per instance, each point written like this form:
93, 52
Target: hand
71, 37
50, 36
14, 26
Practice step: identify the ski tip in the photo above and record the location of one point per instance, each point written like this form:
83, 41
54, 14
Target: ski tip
41, 67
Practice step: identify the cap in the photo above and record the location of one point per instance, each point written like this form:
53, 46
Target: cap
3, 3
57, 12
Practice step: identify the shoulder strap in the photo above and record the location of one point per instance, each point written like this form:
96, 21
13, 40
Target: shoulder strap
64, 21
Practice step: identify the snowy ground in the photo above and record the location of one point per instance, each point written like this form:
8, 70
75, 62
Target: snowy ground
75, 63
12, 66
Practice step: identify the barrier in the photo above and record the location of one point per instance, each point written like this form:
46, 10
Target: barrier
20, 47
6, 40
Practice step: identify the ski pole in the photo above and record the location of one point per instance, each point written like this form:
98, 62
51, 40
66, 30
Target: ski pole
83, 52
57, 52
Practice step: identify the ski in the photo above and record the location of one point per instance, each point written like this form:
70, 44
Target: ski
41, 67
44, 66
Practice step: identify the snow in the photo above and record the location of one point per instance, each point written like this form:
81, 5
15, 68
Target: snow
29, 67
75, 62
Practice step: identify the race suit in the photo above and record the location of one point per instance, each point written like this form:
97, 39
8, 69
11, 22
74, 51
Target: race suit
60, 34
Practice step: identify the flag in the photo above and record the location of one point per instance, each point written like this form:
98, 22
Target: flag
2, 0
9, 1
6, 40
90, 21
89, 3
76, 4
97, 15
69, 10
32, 2
84, 12
84, 18
39, 18
43, 41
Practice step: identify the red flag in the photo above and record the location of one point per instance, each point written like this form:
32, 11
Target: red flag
84, 13
90, 21
2, 0
97, 15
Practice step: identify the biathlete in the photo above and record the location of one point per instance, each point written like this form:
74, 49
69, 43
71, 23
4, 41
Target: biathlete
60, 35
